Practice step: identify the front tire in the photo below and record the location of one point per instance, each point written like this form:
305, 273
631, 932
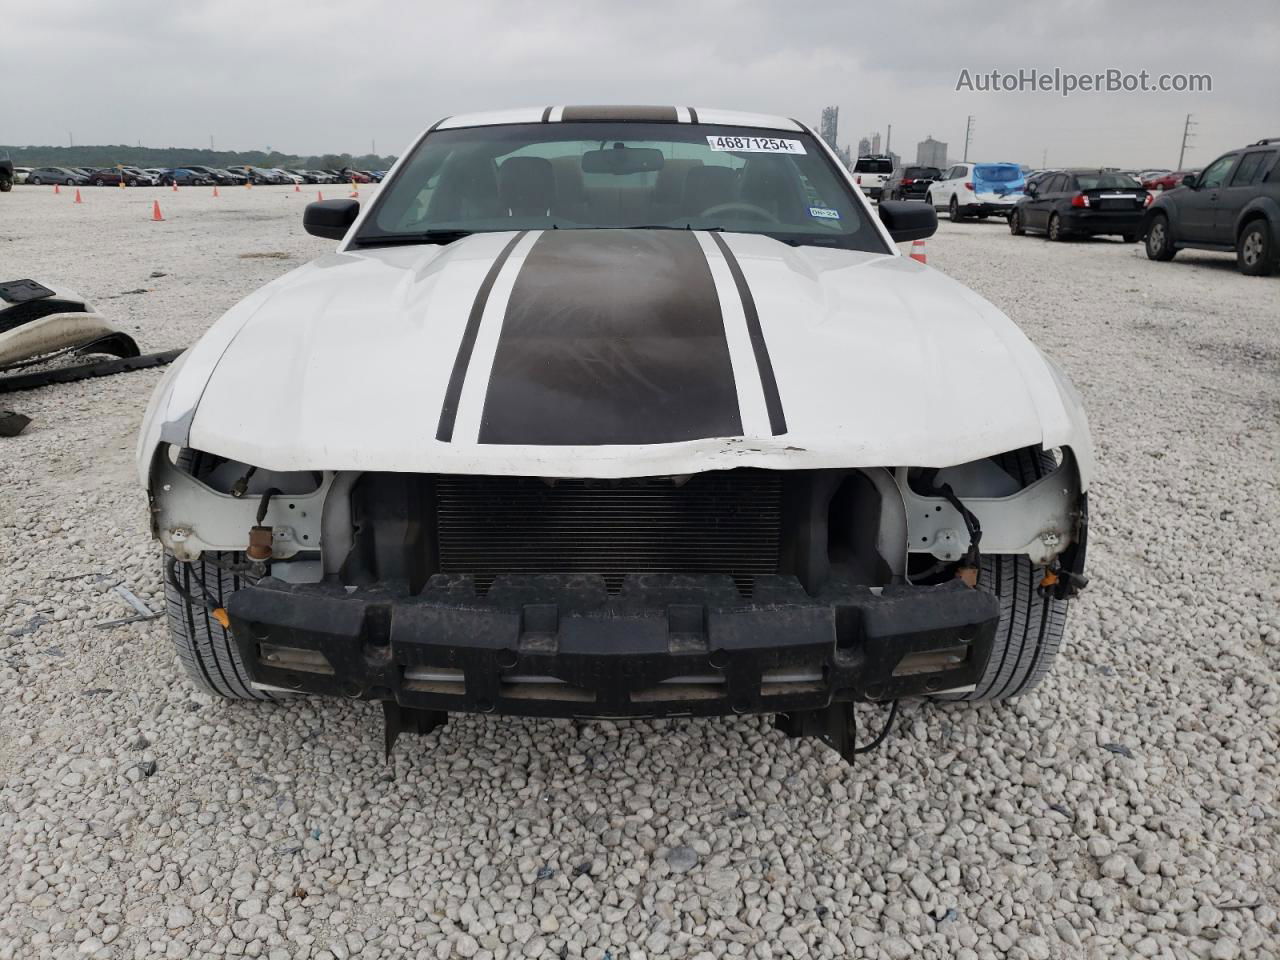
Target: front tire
207, 650
1015, 224
1255, 251
1032, 626
1159, 244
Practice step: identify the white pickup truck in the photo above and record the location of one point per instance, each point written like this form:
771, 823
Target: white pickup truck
871, 173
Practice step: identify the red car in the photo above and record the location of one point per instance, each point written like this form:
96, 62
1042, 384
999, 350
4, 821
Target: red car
111, 177
1168, 181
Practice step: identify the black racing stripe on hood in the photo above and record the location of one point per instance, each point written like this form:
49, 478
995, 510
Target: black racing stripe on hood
772, 401
452, 394
612, 337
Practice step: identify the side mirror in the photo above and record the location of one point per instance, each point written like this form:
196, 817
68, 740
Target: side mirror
330, 218
908, 221
1189, 181
1030, 189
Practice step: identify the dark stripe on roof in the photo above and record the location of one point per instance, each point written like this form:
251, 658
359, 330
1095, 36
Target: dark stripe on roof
648, 114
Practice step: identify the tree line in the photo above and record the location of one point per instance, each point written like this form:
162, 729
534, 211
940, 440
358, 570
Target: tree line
97, 157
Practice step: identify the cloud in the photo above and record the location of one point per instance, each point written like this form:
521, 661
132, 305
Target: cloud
320, 76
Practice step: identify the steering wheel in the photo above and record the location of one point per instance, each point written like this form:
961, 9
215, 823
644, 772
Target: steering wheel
738, 206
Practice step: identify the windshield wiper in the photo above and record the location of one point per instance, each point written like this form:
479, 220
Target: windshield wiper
425, 236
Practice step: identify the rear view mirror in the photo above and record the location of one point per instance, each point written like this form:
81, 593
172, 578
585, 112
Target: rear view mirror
908, 221
622, 160
330, 218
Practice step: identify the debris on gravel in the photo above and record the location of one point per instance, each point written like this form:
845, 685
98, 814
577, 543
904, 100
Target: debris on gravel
1126, 807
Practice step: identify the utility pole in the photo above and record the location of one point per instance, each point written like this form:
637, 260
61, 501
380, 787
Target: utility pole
968, 136
888, 135
1044, 158
1186, 135
71, 141
211, 143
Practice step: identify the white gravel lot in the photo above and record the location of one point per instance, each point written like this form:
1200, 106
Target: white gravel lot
1128, 807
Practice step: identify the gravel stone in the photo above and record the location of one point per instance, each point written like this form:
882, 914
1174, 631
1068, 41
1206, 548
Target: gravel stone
155, 822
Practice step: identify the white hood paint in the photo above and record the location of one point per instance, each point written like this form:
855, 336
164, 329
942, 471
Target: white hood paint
880, 361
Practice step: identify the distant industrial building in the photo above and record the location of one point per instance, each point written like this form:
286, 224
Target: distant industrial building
875, 143
864, 147
829, 131
931, 153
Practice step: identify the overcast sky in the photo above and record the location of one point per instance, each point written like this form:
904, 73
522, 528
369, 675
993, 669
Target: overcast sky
320, 76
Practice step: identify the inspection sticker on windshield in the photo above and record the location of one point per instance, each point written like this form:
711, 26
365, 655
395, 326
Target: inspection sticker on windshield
824, 213
755, 145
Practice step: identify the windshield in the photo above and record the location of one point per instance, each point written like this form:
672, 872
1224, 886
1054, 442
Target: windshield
622, 175
1106, 181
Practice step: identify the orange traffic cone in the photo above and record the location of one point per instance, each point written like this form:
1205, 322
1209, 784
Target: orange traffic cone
155, 212
56, 189
121, 184
319, 195
296, 188
215, 189
248, 184
175, 186
78, 200
355, 194
917, 251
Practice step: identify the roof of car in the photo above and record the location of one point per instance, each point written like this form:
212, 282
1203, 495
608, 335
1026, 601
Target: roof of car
619, 113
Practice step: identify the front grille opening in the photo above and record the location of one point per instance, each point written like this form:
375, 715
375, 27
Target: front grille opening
726, 522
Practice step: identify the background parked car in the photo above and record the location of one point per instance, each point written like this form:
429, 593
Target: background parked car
1167, 180
65, 176
255, 175
185, 177
977, 189
1233, 205
910, 183
111, 177
224, 178
1081, 202
871, 172
20, 174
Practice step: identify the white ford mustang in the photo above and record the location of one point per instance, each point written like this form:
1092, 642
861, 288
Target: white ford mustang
618, 411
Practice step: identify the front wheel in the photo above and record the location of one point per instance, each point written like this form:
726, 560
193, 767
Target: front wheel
35, 180
1031, 626
1015, 224
1255, 252
1159, 246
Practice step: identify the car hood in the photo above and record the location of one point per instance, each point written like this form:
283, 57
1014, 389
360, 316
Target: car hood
614, 353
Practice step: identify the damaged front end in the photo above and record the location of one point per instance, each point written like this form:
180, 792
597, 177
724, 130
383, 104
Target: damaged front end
797, 593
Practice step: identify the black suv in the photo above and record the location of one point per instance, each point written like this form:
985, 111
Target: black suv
910, 183
1233, 204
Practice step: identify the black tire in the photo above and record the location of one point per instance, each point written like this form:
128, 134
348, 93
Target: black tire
1015, 224
208, 651
35, 180
953, 211
1031, 627
1255, 250
1055, 231
6, 186
1159, 243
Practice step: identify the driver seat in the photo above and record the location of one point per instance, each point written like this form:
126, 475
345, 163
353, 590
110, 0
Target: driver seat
527, 186
706, 187
771, 183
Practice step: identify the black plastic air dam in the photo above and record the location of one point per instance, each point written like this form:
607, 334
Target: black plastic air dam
564, 646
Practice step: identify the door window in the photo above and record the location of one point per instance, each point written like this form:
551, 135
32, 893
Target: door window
1216, 174
1251, 167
